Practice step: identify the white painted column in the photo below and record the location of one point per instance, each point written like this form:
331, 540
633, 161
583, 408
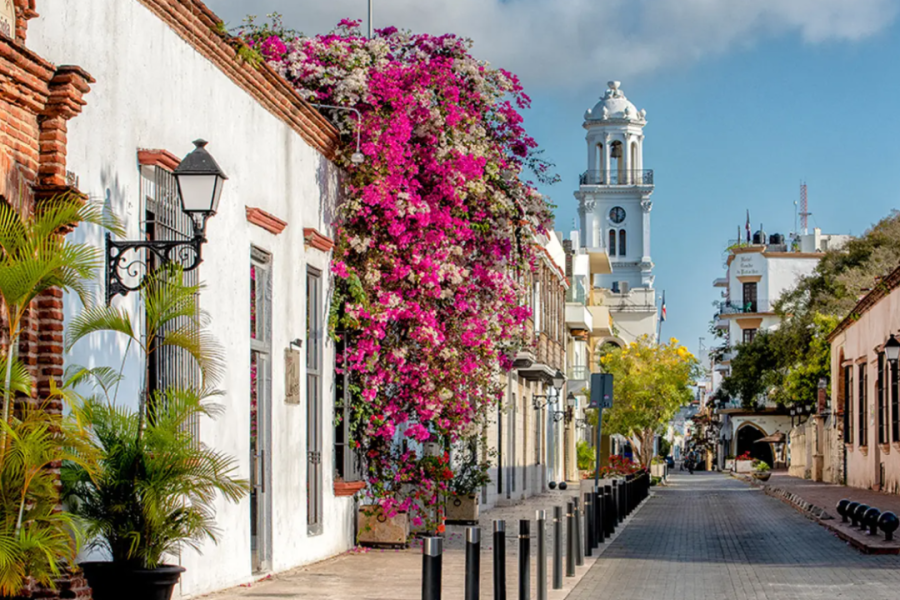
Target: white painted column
626, 159
646, 205
606, 158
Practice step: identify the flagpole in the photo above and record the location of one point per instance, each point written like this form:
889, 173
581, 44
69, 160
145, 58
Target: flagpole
661, 318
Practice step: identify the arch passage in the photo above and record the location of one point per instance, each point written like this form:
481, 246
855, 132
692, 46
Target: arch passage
746, 442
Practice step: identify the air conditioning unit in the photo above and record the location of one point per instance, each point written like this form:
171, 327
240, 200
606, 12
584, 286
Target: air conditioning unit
623, 287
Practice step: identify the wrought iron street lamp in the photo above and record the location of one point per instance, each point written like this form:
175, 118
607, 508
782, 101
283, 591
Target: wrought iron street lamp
200, 182
892, 350
558, 381
569, 413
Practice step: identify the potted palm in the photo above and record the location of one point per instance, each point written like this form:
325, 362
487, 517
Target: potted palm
586, 459
153, 491
38, 541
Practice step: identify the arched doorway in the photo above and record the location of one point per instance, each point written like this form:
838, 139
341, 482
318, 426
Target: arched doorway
746, 442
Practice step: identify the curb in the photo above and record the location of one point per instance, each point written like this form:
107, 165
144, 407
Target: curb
866, 545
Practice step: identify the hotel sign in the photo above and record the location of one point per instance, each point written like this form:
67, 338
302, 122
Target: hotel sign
748, 265
7, 18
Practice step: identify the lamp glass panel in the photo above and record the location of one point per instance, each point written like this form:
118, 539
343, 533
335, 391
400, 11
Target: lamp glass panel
197, 192
220, 185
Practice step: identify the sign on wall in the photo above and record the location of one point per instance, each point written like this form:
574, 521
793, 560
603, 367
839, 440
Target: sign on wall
748, 265
7, 18
291, 376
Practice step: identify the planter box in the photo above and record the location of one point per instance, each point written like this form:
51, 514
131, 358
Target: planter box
375, 529
743, 466
729, 464
658, 470
762, 476
462, 510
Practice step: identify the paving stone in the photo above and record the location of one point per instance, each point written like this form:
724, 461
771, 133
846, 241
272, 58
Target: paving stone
710, 537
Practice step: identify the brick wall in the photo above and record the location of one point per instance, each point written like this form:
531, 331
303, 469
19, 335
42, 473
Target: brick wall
37, 99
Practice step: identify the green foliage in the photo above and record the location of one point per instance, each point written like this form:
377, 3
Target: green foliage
155, 487
665, 448
760, 466
586, 456
651, 382
152, 493
470, 468
35, 538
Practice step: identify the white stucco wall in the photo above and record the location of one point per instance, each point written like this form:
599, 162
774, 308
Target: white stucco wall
154, 91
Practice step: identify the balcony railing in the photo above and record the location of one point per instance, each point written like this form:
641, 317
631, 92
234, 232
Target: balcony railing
753, 306
578, 373
630, 177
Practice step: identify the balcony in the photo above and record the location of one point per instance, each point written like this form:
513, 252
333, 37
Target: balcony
579, 317
620, 177
720, 282
743, 308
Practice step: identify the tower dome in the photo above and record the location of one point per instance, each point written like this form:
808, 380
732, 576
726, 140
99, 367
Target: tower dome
615, 106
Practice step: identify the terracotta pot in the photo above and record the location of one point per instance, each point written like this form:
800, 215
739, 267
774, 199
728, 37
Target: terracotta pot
462, 510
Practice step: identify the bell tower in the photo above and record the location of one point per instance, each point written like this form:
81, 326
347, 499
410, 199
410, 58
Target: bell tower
614, 195
614, 207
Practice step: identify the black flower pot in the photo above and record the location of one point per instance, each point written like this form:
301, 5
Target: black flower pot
112, 581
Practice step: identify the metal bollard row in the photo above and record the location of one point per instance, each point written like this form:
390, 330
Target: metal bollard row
590, 521
866, 517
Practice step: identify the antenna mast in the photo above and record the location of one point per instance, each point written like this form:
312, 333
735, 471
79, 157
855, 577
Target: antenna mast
804, 210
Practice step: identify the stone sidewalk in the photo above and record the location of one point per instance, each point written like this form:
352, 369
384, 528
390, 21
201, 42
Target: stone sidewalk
818, 501
372, 574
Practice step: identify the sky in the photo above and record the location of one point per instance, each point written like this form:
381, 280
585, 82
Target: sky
745, 99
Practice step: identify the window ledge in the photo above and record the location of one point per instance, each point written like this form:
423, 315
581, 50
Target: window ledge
347, 488
267, 221
864, 450
885, 448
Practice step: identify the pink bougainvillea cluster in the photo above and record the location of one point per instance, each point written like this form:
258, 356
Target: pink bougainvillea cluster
434, 237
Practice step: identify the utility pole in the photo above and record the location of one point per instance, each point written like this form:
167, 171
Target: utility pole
371, 31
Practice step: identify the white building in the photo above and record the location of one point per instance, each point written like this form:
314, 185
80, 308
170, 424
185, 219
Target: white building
758, 274
161, 83
614, 208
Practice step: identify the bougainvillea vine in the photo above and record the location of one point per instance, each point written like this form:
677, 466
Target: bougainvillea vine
434, 239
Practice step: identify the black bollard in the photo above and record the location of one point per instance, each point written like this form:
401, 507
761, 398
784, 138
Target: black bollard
851, 512
620, 502
615, 499
500, 559
473, 563
557, 547
888, 523
609, 509
842, 509
570, 540
870, 519
579, 529
541, 572
524, 559
588, 525
432, 551
598, 517
860, 515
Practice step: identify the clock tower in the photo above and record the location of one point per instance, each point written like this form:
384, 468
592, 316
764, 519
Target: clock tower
614, 205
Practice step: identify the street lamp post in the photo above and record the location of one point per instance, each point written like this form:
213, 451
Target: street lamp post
200, 183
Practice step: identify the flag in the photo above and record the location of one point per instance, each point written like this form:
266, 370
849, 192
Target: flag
748, 226
662, 311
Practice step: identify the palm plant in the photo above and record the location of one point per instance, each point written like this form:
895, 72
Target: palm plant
36, 539
36, 255
154, 490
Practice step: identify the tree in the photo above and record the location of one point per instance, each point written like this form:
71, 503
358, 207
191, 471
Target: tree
650, 384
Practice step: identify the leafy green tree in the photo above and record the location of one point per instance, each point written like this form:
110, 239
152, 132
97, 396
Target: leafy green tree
651, 382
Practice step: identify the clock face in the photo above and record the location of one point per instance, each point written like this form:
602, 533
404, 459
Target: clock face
617, 214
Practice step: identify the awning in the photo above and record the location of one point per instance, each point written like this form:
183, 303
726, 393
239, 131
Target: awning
775, 438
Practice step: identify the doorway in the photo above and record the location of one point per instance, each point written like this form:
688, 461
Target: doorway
746, 442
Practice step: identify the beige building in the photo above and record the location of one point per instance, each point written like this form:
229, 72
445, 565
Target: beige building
865, 417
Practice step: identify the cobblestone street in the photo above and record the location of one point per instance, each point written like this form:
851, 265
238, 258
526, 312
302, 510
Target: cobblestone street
708, 536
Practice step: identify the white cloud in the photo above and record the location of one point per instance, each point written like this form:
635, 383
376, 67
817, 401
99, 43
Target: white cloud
568, 43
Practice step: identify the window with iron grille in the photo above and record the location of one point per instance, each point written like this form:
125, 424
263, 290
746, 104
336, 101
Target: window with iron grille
863, 412
895, 417
168, 366
848, 405
879, 397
